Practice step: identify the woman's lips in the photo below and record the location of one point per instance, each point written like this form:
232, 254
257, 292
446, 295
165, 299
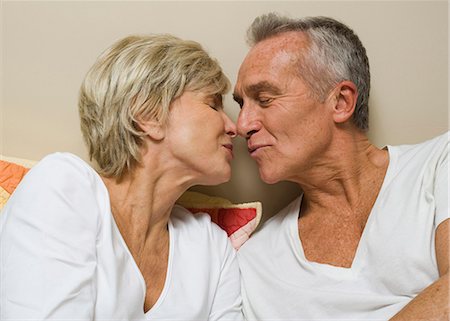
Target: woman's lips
229, 147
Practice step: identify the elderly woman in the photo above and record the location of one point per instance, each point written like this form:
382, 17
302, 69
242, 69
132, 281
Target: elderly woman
109, 244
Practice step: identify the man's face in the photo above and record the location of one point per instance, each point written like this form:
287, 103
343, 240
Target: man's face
287, 129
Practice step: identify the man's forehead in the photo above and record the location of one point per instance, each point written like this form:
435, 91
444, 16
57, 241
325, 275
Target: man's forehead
290, 41
274, 52
268, 60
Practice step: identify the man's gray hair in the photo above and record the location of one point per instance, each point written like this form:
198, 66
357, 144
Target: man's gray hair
335, 54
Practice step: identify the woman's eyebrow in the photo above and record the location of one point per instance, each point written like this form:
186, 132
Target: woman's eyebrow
216, 99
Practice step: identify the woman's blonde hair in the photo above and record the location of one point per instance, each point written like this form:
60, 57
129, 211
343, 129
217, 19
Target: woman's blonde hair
137, 78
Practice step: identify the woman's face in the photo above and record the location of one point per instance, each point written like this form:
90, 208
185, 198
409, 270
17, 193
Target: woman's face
199, 135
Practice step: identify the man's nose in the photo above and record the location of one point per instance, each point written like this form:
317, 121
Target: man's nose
248, 122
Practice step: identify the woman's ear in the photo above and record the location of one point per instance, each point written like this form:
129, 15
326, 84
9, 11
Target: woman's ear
152, 128
344, 98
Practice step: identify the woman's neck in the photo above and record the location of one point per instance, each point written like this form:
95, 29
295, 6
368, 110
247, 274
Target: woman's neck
141, 203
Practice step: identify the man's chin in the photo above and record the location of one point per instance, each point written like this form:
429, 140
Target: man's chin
268, 178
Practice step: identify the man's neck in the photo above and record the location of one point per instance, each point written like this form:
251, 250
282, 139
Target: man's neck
352, 171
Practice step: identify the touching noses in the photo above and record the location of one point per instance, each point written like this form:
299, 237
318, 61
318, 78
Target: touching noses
247, 124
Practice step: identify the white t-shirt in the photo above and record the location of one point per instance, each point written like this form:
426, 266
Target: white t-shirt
63, 257
395, 259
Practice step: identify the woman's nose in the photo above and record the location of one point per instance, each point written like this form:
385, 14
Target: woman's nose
230, 127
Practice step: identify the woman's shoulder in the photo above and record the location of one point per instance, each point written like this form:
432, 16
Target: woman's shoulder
60, 194
201, 244
62, 168
60, 161
183, 218
60, 174
197, 226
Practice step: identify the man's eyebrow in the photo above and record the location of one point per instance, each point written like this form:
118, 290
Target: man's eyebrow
263, 86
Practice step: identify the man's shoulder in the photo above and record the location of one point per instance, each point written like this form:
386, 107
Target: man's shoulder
428, 153
438, 143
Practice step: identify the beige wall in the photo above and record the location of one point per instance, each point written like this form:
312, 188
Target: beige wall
48, 46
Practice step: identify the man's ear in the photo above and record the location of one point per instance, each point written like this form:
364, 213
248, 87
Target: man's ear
344, 98
153, 128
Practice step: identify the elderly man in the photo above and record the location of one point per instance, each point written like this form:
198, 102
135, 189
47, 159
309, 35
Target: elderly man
368, 238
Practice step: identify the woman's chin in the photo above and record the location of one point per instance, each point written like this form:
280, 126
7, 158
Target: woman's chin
217, 178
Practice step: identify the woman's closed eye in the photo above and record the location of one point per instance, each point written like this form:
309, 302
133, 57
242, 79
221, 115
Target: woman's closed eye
215, 107
215, 102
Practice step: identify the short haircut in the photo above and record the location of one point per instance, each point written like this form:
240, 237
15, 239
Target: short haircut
334, 54
137, 78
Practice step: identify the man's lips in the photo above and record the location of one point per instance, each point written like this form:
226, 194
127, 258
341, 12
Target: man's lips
254, 147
